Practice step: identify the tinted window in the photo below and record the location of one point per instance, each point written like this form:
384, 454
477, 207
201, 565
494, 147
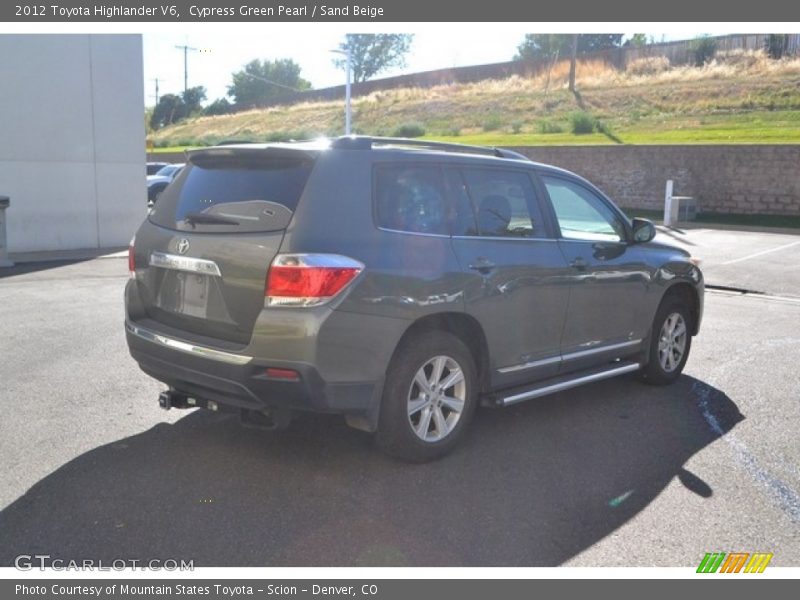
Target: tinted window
504, 203
233, 193
464, 222
581, 214
411, 198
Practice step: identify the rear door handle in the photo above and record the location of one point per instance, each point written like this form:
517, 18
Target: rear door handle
482, 265
578, 263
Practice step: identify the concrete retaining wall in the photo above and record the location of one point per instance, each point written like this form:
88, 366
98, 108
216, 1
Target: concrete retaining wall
742, 179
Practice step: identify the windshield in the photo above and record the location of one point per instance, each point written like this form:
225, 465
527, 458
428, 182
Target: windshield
167, 171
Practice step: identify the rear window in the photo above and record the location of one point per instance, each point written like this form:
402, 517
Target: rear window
233, 194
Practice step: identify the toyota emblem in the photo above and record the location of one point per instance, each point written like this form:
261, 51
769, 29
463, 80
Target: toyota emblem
183, 246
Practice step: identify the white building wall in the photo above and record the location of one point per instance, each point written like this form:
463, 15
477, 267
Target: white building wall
72, 140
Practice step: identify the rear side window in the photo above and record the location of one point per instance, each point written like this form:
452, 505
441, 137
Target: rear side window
504, 203
411, 198
233, 193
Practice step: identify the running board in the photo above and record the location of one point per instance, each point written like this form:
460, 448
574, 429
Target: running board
565, 382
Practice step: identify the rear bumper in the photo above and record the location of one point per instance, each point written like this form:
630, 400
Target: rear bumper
240, 381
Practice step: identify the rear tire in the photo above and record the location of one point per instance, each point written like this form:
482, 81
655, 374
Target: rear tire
429, 397
670, 343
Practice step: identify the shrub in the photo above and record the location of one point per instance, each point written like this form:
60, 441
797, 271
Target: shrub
703, 50
649, 65
582, 123
549, 127
776, 45
516, 126
452, 132
492, 123
409, 130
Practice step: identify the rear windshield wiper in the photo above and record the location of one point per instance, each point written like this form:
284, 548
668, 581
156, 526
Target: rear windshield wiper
193, 218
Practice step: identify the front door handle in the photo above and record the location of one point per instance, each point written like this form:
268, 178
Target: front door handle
578, 263
482, 265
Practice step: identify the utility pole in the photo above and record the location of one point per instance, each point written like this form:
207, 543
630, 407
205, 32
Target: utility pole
186, 49
156, 80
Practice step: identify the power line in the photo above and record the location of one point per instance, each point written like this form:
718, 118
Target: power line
280, 85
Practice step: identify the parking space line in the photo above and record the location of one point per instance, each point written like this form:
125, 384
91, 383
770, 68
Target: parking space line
782, 493
762, 253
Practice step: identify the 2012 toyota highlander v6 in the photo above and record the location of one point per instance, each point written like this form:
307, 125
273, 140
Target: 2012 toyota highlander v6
399, 283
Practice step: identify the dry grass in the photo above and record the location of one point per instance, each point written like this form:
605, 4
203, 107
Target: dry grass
649, 65
649, 92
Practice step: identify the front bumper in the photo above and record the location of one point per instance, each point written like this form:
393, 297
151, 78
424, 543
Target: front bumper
241, 381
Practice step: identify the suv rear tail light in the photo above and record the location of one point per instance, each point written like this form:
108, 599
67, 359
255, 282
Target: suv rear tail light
309, 279
132, 258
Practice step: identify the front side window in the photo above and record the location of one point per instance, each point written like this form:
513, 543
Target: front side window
411, 198
581, 214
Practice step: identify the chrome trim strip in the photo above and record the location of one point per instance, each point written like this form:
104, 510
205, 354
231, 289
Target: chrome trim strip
419, 233
504, 238
599, 349
571, 356
565, 385
184, 263
530, 365
218, 355
469, 237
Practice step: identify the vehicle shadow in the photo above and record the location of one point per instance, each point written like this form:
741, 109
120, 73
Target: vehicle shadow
532, 485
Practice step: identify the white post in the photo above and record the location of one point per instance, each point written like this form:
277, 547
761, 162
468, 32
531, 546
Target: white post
4, 260
347, 113
668, 212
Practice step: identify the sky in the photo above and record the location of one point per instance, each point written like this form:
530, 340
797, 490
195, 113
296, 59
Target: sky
224, 50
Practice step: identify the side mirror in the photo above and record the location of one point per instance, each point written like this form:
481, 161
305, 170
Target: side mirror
643, 230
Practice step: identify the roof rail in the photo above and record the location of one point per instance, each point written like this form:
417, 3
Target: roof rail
359, 142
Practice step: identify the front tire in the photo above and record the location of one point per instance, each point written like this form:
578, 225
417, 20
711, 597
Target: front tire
429, 397
670, 343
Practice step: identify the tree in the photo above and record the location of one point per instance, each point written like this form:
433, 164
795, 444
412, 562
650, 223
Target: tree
572, 61
192, 99
537, 46
171, 108
703, 49
637, 40
373, 53
220, 106
261, 81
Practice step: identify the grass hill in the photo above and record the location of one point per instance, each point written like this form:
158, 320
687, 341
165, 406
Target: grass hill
740, 97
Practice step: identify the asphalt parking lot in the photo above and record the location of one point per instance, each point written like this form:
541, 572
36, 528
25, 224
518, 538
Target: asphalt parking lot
612, 474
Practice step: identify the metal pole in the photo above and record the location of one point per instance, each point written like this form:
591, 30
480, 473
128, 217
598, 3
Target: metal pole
347, 113
4, 260
668, 219
185, 70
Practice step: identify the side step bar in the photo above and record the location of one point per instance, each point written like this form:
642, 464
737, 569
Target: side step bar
558, 384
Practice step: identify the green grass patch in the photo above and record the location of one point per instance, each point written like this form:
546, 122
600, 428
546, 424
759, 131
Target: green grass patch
788, 221
170, 149
739, 220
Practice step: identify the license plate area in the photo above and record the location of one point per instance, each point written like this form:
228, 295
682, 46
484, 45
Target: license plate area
195, 294
184, 293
